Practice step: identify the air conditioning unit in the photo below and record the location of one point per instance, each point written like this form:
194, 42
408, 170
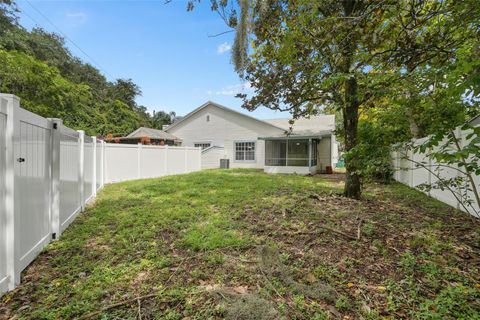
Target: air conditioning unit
224, 163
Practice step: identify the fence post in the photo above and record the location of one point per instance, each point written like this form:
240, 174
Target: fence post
55, 177
429, 175
139, 156
185, 159
199, 164
165, 165
412, 167
459, 136
94, 168
81, 167
102, 176
11, 103
398, 161
393, 156
397, 166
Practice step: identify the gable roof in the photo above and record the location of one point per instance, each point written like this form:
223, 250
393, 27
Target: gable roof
152, 134
211, 103
304, 126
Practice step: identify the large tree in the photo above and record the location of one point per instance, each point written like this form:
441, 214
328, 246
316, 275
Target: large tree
302, 56
161, 118
307, 55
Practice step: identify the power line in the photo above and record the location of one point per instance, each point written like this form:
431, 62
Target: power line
68, 38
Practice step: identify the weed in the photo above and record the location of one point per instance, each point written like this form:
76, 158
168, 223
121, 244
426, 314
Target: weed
452, 302
328, 272
379, 246
368, 229
343, 303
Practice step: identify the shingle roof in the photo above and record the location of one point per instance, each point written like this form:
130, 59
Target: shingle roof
307, 126
152, 134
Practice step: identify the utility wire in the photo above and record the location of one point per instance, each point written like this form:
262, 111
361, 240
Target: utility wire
66, 37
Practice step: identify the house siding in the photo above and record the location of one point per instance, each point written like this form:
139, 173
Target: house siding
323, 154
223, 129
211, 157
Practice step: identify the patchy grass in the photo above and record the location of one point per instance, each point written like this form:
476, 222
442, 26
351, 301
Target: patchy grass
241, 244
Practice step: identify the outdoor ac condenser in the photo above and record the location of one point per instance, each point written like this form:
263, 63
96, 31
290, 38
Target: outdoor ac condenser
224, 163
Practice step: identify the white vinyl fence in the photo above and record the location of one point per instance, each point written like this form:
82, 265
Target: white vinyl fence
48, 173
407, 172
143, 161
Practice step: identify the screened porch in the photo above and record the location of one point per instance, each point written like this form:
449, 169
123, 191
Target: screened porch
291, 155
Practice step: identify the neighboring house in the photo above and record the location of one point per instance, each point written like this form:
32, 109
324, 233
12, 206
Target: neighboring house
248, 142
145, 135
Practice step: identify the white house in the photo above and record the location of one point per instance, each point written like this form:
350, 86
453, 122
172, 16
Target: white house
248, 142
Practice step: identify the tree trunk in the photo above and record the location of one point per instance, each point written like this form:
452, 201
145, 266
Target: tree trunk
350, 104
350, 123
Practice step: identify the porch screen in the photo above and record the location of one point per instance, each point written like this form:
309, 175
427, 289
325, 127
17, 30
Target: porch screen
287, 153
275, 152
297, 153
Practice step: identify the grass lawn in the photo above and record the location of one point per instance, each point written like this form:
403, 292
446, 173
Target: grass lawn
241, 244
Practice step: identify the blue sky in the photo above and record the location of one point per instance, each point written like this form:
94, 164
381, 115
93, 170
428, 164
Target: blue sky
163, 48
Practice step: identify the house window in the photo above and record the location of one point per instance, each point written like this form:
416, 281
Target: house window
244, 151
202, 145
208, 118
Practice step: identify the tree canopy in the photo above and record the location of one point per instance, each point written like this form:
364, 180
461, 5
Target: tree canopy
37, 66
414, 60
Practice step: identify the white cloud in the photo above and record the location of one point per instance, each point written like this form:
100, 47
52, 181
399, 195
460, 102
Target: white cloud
224, 47
76, 18
232, 90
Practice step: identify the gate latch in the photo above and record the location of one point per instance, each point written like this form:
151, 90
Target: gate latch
21, 159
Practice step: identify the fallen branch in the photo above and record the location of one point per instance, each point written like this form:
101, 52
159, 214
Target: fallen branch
139, 309
340, 233
121, 303
138, 299
326, 228
316, 197
359, 229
